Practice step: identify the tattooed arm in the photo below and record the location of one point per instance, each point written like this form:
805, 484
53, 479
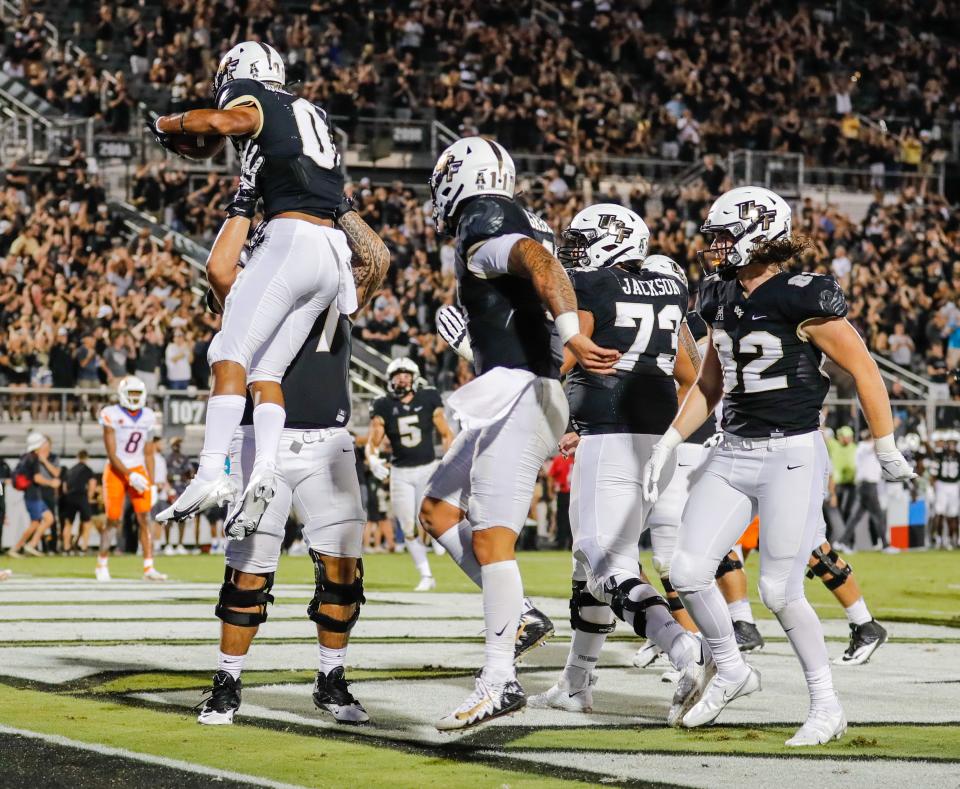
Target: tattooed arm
531, 260
690, 346
371, 258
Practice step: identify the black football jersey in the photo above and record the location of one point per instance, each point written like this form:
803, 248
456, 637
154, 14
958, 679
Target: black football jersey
506, 321
409, 426
699, 330
639, 314
772, 381
316, 385
948, 465
301, 168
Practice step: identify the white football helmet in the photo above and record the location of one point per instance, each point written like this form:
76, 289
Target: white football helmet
750, 215
402, 365
132, 393
602, 235
250, 60
666, 266
471, 166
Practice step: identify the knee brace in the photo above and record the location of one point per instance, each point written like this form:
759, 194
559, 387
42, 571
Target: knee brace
827, 563
580, 598
336, 594
675, 603
727, 565
621, 603
231, 596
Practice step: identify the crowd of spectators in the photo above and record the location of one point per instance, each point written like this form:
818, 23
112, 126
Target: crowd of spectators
83, 301
647, 78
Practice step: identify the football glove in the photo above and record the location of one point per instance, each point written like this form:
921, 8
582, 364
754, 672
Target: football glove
244, 202
344, 207
165, 140
453, 328
659, 456
378, 467
895, 466
138, 482
714, 440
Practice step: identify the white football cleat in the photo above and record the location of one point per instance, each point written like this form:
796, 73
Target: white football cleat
488, 701
153, 575
102, 573
562, 697
427, 584
647, 654
199, 496
821, 727
247, 511
691, 686
718, 695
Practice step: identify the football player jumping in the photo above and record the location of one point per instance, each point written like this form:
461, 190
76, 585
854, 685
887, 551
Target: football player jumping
301, 267
769, 331
316, 477
410, 417
514, 412
635, 304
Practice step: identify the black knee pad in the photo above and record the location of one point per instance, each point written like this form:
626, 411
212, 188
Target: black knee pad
621, 603
581, 598
827, 563
232, 597
337, 594
674, 603
727, 565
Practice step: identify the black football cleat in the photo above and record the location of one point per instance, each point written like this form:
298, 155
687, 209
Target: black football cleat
865, 639
331, 693
748, 637
535, 627
224, 700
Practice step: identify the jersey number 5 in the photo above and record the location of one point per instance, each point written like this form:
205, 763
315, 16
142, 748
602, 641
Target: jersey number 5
315, 136
631, 313
410, 433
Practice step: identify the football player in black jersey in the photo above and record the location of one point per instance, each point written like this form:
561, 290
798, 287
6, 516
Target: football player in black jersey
317, 479
947, 487
411, 417
770, 331
637, 308
300, 268
514, 411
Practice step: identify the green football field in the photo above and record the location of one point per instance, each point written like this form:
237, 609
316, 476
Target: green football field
97, 685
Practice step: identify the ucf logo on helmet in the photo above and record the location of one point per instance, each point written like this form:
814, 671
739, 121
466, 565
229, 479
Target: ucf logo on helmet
615, 227
761, 215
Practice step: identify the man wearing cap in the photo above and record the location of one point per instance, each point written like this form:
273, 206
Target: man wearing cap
41, 472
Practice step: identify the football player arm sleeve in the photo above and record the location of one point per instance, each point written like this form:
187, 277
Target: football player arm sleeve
531, 260
370, 260
225, 254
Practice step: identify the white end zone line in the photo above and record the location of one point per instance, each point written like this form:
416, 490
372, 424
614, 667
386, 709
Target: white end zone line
163, 761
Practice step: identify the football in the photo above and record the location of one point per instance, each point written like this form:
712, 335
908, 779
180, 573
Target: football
198, 146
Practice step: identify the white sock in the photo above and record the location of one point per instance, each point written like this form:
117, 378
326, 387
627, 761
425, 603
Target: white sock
232, 664
858, 613
268, 419
147, 565
709, 611
459, 544
418, 552
224, 413
331, 658
102, 561
805, 633
740, 611
502, 604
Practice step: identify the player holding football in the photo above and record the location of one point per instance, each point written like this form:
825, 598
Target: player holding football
410, 416
514, 411
317, 478
301, 267
635, 304
770, 330
128, 437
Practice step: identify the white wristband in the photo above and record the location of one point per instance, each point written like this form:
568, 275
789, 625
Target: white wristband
671, 439
885, 443
568, 326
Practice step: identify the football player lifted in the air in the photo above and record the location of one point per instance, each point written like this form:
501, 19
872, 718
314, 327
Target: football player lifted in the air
769, 331
316, 478
514, 411
636, 305
410, 417
300, 268
128, 437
